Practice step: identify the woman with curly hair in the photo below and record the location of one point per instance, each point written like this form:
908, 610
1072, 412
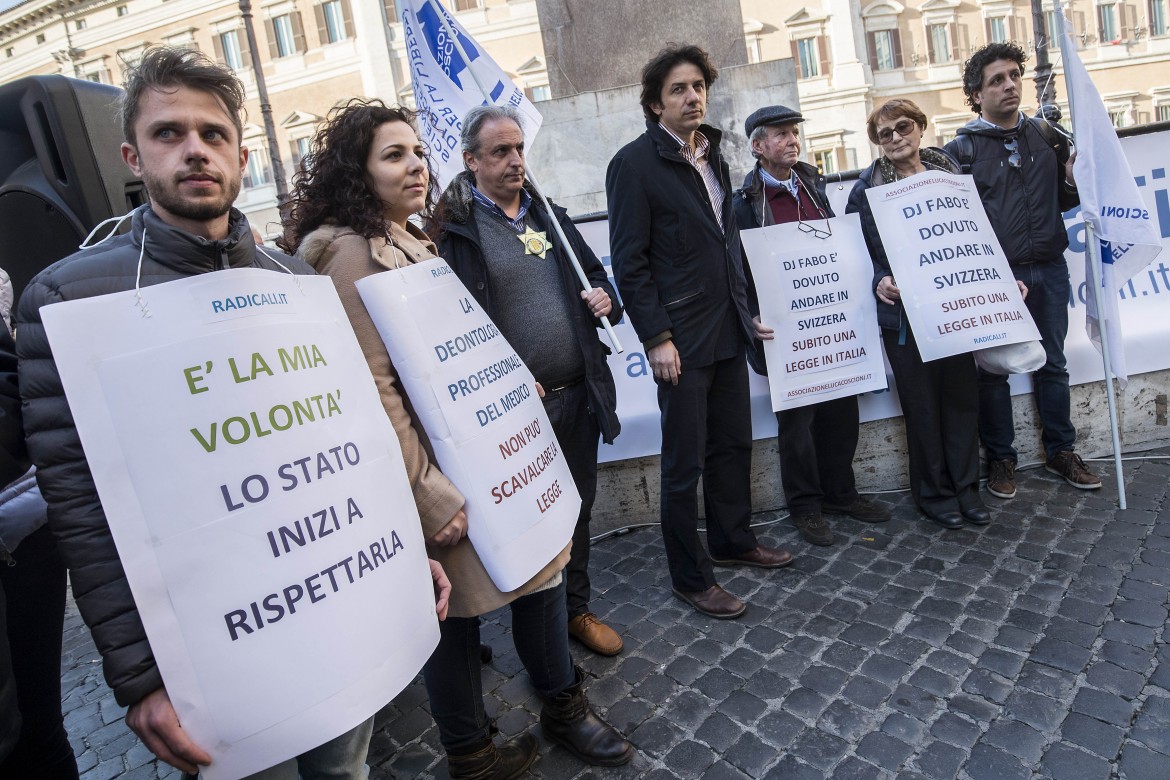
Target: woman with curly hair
366, 176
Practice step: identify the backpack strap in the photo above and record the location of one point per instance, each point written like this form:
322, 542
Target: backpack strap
964, 152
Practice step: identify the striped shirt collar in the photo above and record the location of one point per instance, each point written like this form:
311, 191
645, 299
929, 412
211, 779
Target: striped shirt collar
489, 204
702, 145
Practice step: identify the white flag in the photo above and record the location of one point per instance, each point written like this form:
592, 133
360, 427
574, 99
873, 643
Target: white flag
1110, 202
445, 83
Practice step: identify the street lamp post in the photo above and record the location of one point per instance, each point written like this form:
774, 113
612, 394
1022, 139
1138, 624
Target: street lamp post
1045, 88
265, 107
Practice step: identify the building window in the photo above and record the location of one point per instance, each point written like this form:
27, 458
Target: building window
808, 60
257, 173
229, 44
1107, 29
79, 24
300, 149
334, 22
466, 5
885, 49
1157, 17
9, 51
826, 161
1119, 117
40, 37
938, 43
286, 37
543, 92
1162, 112
997, 29
122, 10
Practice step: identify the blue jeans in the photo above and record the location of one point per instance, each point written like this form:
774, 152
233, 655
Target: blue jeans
1048, 295
540, 631
341, 758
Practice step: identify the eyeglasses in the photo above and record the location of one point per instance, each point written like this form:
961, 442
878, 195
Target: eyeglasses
903, 129
1014, 148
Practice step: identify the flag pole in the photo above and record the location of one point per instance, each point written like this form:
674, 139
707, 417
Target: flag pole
1093, 248
552, 218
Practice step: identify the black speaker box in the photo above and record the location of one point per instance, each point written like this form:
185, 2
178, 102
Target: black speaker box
61, 170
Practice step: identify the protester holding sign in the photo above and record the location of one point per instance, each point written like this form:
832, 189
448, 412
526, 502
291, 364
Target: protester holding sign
366, 176
816, 442
940, 399
529, 289
181, 118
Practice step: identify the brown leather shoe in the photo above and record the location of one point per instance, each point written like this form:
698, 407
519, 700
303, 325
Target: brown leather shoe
714, 602
763, 557
597, 636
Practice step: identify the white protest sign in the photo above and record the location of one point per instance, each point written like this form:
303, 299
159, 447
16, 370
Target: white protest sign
478, 403
956, 285
814, 291
257, 496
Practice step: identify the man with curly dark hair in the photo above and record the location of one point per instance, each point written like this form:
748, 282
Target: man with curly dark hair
1023, 170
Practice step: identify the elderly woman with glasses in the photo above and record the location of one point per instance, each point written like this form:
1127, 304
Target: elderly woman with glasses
940, 399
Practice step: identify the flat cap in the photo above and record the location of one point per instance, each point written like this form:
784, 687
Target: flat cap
771, 115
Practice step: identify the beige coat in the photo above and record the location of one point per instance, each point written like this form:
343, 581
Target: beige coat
344, 256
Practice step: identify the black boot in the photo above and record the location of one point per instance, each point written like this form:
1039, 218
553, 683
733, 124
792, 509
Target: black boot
569, 721
486, 761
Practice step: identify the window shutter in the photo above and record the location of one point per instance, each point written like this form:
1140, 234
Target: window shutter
896, 45
825, 54
270, 31
987, 30
931, 55
873, 63
217, 45
959, 46
298, 31
391, 11
245, 52
322, 28
796, 59
350, 32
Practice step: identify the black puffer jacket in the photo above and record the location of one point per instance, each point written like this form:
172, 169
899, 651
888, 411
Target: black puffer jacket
75, 513
457, 238
1025, 204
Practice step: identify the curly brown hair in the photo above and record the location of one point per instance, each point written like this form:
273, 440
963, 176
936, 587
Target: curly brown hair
333, 184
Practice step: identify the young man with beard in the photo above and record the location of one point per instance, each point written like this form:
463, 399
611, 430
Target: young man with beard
181, 118
1023, 170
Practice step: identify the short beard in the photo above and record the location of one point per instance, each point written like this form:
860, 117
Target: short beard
199, 211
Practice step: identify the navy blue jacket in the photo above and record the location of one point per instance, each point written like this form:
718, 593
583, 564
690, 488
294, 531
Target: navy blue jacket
676, 269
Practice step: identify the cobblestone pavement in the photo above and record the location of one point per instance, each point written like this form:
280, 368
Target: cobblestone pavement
1032, 648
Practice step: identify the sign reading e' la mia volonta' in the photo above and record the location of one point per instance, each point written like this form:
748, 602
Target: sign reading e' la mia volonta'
813, 284
956, 285
478, 403
259, 503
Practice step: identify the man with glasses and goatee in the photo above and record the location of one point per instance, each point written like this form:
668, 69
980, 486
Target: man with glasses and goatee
1023, 169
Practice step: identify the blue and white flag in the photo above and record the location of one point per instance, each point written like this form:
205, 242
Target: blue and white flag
447, 85
1110, 202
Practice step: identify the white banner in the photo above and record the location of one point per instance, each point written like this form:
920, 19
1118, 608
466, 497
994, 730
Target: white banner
957, 288
445, 88
257, 496
814, 291
478, 403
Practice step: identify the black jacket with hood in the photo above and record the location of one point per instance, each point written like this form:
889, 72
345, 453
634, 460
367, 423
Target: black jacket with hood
1025, 204
75, 512
457, 237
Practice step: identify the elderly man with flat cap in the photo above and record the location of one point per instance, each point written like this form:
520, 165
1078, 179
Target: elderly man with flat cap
816, 442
